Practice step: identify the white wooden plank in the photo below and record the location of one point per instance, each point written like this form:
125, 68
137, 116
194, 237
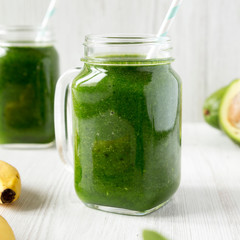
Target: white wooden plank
205, 207
205, 36
223, 43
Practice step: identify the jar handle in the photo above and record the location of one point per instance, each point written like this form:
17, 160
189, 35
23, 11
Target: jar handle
61, 113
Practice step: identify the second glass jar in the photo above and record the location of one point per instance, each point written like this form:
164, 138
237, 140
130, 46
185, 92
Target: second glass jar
28, 75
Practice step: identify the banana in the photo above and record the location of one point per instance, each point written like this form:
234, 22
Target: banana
10, 183
6, 233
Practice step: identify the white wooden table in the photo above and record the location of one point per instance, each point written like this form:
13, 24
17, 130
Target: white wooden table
206, 206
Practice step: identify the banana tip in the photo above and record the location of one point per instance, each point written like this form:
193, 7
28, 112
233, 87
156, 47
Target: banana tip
8, 195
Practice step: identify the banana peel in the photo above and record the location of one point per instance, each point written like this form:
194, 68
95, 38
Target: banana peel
10, 183
6, 232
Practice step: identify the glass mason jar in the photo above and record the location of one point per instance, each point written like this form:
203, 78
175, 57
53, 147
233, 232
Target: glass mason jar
126, 123
28, 75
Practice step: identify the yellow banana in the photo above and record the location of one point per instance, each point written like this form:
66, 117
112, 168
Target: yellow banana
10, 183
6, 233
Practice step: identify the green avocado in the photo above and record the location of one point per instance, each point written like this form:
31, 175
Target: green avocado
211, 107
229, 111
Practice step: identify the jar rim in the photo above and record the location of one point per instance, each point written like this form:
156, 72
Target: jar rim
24, 35
19, 27
125, 38
126, 47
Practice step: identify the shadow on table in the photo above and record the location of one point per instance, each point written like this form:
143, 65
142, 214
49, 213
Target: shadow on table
190, 201
29, 200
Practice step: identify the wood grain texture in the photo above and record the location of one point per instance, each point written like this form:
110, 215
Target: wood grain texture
205, 207
205, 36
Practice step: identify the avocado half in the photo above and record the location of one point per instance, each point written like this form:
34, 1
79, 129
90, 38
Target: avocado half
211, 107
229, 111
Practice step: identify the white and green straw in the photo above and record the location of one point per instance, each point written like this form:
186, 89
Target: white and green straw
50, 12
167, 22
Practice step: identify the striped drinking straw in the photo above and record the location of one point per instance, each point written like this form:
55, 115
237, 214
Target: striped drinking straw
167, 22
48, 15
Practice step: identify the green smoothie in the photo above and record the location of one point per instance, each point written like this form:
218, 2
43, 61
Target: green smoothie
28, 76
127, 132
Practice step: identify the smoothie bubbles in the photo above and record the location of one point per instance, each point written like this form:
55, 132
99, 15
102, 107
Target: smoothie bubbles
28, 75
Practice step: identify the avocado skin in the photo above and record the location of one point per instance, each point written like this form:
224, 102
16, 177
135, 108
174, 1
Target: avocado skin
211, 108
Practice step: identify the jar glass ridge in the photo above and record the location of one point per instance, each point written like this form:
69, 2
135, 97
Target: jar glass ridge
97, 47
25, 36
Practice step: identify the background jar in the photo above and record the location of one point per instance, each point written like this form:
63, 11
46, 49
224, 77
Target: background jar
29, 71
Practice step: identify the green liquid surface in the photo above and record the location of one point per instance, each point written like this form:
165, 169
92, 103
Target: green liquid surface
28, 76
127, 134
